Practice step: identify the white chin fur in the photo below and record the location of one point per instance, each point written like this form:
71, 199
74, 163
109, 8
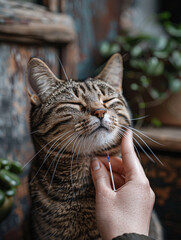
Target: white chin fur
97, 141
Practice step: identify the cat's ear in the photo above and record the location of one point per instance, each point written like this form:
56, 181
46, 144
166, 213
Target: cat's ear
112, 73
41, 81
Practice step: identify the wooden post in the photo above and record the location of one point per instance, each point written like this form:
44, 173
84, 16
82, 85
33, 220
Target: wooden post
53, 5
69, 57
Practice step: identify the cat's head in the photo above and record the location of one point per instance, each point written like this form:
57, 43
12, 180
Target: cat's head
82, 116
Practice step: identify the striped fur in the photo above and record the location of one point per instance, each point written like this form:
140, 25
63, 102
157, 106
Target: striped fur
67, 136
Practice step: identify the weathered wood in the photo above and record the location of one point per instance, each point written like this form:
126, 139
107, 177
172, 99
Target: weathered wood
166, 183
165, 179
34, 23
62, 5
53, 5
95, 21
168, 137
15, 142
69, 56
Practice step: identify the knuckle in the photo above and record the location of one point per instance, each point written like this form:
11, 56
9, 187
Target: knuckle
144, 183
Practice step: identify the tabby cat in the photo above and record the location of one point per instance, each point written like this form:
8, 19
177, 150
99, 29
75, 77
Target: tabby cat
71, 121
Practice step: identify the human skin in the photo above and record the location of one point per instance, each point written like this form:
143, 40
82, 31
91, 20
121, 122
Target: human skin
128, 210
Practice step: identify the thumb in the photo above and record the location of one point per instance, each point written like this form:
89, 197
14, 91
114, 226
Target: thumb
100, 176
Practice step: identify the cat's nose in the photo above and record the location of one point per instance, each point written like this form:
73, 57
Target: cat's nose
99, 112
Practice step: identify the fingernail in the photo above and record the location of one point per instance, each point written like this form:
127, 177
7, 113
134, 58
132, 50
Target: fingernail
95, 164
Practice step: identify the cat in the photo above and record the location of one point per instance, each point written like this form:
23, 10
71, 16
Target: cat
72, 121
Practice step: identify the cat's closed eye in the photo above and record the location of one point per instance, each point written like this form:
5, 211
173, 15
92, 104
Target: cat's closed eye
109, 102
77, 105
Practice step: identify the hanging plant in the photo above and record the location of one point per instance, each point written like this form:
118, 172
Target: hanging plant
9, 181
152, 65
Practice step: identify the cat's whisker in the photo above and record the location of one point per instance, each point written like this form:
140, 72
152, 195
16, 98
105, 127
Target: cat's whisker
71, 177
63, 148
63, 68
46, 156
136, 149
40, 151
32, 132
83, 141
89, 145
54, 159
142, 147
124, 135
149, 148
71, 166
121, 134
59, 160
73, 150
138, 118
151, 139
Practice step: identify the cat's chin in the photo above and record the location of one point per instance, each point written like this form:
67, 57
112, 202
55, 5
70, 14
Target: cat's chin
98, 140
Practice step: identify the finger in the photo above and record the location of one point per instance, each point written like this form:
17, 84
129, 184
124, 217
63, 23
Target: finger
116, 164
100, 176
131, 162
118, 180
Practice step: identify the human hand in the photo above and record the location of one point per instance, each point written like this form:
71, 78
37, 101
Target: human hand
128, 209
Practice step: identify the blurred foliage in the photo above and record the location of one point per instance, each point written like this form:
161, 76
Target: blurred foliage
152, 65
9, 181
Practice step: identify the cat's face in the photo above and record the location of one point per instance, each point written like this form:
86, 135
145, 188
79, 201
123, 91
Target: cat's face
88, 116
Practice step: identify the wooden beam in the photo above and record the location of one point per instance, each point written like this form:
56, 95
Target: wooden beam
168, 137
34, 23
53, 5
69, 56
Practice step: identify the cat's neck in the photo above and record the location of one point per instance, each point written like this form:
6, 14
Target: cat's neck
71, 170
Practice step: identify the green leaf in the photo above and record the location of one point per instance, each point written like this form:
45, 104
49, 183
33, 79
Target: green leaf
172, 29
138, 64
3, 162
134, 86
6, 207
9, 179
164, 15
137, 39
156, 122
115, 47
120, 39
154, 93
136, 51
144, 81
160, 43
161, 54
104, 49
16, 167
174, 84
175, 59
10, 192
2, 197
154, 67
142, 105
